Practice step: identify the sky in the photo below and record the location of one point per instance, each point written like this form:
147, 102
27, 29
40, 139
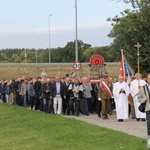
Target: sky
28, 23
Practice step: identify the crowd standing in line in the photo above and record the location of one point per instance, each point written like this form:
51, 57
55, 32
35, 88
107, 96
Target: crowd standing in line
74, 96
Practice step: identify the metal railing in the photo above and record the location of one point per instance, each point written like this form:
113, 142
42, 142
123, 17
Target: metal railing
51, 64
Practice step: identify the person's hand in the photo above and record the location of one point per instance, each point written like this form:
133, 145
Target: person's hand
75, 91
145, 98
47, 91
122, 90
99, 99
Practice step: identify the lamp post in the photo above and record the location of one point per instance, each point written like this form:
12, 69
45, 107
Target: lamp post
49, 39
25, 55
76, 41
36, 56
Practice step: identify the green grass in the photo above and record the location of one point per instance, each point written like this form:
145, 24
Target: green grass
23, 129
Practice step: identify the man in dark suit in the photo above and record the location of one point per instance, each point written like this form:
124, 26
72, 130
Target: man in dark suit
65, 102
46, 96
57, 93
37, 87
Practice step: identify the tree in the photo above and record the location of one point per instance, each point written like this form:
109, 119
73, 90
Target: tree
67, 54
137, 3
133, 27
109, 54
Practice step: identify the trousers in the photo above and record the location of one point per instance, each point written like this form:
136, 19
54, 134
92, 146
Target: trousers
57, 104
148, 122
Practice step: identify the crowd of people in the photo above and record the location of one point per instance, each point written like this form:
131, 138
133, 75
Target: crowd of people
74, 95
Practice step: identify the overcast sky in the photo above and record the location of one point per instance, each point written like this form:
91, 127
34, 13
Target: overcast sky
25, 23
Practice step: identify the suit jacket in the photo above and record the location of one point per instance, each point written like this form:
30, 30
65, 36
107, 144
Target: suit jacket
45, 87
142, 94
54, 90
37, 86
66, 87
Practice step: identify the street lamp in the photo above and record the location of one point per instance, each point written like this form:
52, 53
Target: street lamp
49, 38
25, 55
76, 43
36, 56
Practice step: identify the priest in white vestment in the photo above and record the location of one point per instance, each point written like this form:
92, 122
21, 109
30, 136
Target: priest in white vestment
134, 88
120, 92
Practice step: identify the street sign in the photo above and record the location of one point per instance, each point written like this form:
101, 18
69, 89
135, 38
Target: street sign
77, 65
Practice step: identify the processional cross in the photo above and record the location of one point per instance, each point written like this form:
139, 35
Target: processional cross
138, 55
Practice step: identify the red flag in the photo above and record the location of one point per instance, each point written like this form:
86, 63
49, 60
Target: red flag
122, 69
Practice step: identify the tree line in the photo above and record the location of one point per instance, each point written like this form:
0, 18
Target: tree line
58, 55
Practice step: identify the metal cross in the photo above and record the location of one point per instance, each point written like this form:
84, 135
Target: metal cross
138, 54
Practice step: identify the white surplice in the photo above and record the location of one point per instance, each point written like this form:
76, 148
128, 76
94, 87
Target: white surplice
134, 92
121, 100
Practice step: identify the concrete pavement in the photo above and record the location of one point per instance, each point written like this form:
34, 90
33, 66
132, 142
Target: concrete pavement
130, 126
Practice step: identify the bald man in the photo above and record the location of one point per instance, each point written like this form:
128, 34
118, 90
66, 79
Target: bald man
135, 86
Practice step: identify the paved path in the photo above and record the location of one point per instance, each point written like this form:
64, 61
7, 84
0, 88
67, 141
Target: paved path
130, 126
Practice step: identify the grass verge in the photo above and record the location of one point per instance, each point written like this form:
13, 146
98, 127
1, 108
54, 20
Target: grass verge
25, 129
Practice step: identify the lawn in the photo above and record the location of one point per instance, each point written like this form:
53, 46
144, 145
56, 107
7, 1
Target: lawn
24, 129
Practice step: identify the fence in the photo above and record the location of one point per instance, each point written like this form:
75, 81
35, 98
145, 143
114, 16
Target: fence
51, 64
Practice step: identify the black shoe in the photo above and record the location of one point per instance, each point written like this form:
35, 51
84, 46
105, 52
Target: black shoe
110, 113
72, 114
143, 119
137, 119
99, 116
120, 120
87, 114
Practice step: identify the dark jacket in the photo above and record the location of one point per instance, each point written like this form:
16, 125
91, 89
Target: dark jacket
12, 87
54, 90
37, 86
65, 87
7, 89
45, 87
